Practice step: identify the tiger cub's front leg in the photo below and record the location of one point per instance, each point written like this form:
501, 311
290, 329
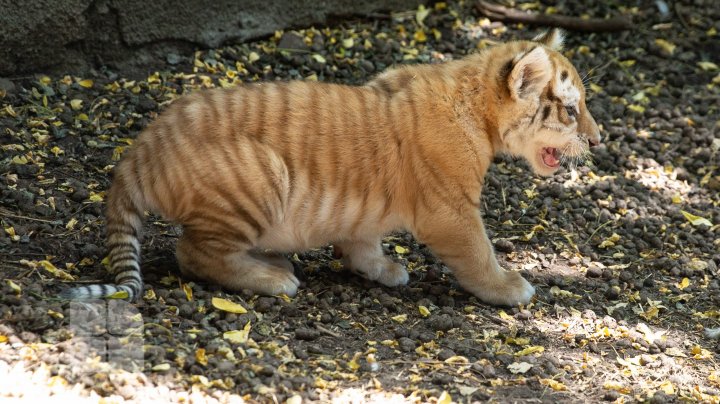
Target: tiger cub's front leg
461, 242
366, 258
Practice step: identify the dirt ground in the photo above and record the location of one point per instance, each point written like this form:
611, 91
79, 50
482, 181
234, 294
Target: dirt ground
623, 252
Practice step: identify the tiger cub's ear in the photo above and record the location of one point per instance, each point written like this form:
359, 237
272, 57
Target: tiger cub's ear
553, 39
530, 74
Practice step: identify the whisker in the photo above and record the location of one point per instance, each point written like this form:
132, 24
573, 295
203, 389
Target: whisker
574, 154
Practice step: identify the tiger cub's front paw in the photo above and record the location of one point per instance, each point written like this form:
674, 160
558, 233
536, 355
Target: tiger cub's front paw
394, 274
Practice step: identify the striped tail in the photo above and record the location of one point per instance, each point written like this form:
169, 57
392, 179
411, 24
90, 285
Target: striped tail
125, 219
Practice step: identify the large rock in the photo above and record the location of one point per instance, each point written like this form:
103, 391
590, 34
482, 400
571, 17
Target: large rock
75, 35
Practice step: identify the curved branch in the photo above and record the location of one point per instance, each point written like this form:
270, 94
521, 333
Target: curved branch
497, 12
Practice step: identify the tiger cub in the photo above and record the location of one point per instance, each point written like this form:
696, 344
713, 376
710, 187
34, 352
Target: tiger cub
289, 166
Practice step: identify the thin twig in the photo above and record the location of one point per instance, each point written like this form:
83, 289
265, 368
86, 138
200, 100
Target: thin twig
680, 16
598, 229
327, 331
7, 213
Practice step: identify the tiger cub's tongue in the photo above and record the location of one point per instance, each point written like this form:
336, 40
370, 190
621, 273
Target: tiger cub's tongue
549, 156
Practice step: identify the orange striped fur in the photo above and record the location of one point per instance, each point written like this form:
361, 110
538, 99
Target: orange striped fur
289, 166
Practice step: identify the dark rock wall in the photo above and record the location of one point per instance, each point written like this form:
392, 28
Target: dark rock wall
75, 35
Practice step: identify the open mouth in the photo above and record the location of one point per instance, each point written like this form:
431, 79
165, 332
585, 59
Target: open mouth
550, 157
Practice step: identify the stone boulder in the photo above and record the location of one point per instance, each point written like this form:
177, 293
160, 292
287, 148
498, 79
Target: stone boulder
72, 36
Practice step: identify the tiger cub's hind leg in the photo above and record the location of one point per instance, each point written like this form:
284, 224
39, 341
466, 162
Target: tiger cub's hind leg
233, 266
365, 257
273, 258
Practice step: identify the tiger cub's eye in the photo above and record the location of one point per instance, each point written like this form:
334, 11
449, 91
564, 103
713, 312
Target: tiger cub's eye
571, 111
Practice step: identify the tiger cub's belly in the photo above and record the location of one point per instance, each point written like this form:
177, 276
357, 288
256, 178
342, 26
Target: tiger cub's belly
331, 219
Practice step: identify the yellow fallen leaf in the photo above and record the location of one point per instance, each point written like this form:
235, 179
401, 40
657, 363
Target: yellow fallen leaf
57, 151
583, 50
87, 83
627, 63
188, 291
697, 264
445, 398
685, 282
348, 43
504, 315
421, 14
640, 97
423, 311
595, 88
401, 249
517, 341
655, 90
677, 199
96, 196
436, 33
556, 291
617, 387
457, 359
636, 108
610, 241
55, 314
519, 367
675, 351
120, 294
227, 305
117, 153
707, 66
531, 193
76, 104
238, 336
420, 36
650, 313
530, 350
319, 58
667, 46
354, 365
19, 160
225, 83
57, 381
553, 384
400, 318
163, 367
200, 356
667, 387
699, 352
696, 220
58, 273
14, 286
3, 339
321, 383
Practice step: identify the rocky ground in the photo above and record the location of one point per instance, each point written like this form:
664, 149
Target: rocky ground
623, 252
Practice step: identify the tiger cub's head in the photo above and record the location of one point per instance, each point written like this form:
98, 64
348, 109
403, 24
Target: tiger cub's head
543, 113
